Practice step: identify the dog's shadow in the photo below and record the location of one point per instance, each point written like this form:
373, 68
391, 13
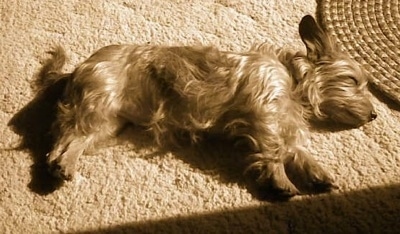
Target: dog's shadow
33, 123
213, 155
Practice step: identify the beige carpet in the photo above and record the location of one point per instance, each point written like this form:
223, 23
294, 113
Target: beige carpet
131, 187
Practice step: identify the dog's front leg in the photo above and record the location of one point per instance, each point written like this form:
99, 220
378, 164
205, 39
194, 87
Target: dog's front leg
265, 158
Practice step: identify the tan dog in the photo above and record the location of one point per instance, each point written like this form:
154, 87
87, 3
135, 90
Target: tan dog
263, 98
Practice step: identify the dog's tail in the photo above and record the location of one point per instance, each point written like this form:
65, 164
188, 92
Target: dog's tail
51, 71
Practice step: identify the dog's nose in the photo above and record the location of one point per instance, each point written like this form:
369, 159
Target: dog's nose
373, 115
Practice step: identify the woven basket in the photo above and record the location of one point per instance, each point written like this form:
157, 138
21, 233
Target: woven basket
370, 31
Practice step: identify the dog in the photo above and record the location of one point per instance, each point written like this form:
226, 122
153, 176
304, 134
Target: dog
263, 99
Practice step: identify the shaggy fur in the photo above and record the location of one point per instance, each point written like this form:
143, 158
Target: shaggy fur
264, 97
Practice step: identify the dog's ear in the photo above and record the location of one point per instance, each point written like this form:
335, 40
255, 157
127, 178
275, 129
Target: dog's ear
317, 42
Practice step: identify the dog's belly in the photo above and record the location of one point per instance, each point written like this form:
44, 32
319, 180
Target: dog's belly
137, 113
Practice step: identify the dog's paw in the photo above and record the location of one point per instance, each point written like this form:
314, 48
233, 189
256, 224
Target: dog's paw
61, 171
61, 167
272, 181
275, 189
281, 186
318, 180
309, 176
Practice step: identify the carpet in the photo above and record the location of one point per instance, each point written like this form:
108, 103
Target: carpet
129, 186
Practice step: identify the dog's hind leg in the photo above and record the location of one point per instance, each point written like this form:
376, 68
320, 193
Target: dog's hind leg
63, 158
89, 114
72, 141
259, 139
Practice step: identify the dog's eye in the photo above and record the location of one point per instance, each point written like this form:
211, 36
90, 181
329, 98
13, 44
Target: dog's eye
354, 80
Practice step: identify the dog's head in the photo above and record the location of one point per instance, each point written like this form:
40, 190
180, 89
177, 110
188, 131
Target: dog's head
336, 86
